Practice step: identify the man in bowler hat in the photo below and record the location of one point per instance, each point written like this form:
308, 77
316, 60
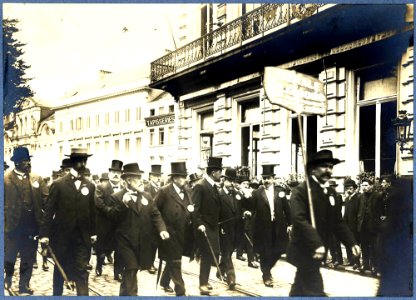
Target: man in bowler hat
174, 202
271, 221
105, 225
24, 195
66, 166
69, 223
205, 196
136, 216
307, 245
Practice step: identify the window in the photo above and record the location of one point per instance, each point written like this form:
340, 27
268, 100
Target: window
152, 137
61, 151
206, 134
97, 121
97, 146
116, 147
127, 146
88, 122
170, 135
72, 125
79, 123
138, 145
161, 110
61, 129
107, 118
117, 117
161, 136
138, 113
152, 112
250, 112
171, 109
88, 147
127, 115
207, 121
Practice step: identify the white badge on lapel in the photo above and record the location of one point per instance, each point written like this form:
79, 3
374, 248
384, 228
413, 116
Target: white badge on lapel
145, 201
190, 208
238, 197
35, 184
282, 194
332, 200
85, 191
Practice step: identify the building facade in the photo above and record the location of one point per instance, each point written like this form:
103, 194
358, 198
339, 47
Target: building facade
364, 58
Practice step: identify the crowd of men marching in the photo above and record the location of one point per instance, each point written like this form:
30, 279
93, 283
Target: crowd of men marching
205, 217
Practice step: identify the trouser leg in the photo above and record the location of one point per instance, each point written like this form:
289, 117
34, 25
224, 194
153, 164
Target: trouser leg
27, 258
176, 274
128, 286
308, 281
204, 269
166, 275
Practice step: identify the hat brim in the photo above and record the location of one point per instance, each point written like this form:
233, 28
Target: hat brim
155, 173
117, 170
334, 161
231, 178
127, 174
25, 158
178, 174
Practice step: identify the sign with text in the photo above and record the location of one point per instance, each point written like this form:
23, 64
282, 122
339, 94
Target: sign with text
298, 92
160, 120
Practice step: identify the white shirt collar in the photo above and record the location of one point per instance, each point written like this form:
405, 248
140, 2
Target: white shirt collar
324, 186
209, 179
177, 189
225, 190
18, 172
154, 184
74, 173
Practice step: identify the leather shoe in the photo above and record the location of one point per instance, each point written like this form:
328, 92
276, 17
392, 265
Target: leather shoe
209, 287
35, 265
167, 289
205, 291
89, 267
253, 264
231, 286
118, 277
242, 258
26, 290
152, 270
268, 283
45, 266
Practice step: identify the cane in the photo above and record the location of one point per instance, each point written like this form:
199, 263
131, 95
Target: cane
10, 291
248, 239
69, 284
213, 256
158, 272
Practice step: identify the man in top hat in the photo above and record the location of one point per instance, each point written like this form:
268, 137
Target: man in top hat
230, 219
351, 217
24, 195
307, 245
69, 224
105, 225
193, 179
136, 216
271, 221
174, 202
66, 166
152, 188
205, 196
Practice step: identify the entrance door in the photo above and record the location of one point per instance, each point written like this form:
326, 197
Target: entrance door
250, 136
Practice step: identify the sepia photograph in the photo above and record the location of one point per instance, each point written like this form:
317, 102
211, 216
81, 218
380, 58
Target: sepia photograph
208, 149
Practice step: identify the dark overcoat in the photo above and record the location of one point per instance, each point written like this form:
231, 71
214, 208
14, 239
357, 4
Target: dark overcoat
177, 215
207, 213
351, 212
135, 225
67, 209
263, 230
375, 211
13, 200
230, 217
305, 239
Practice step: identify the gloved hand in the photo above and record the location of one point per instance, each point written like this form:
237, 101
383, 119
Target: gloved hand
44, 241
93, 239
319, 253
201, 228
164, 235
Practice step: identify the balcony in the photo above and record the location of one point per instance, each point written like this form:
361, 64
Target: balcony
257, 23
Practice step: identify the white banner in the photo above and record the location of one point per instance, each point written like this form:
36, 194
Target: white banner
295, 91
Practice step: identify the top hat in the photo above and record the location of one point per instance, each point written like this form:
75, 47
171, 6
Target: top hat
178, 168
350, 182
214, 162
78, 152
242, 178
332, 183
20, 153
230, 173
87, 172
156, 170
193, 177
6, 166
104, 176
268, 170
131, 170
116, 165
66, 163
323, 156
95, 177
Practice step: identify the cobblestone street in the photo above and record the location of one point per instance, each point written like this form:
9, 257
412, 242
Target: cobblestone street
337, 282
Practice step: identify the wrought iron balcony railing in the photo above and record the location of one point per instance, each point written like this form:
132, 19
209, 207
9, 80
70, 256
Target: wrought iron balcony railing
253, 24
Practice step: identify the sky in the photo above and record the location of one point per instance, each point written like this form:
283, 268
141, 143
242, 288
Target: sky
67, 44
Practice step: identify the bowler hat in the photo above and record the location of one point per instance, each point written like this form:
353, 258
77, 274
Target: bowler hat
20, 153
131, 170
193, 177
178, 168
78, 152
268, 170
104, 176
332, 183
214, 162
323, 156
116, 165
95, 177
156, 170
66, 163
350, 182
230, 173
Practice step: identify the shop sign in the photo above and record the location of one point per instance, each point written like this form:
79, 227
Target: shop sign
160, 120
298, 92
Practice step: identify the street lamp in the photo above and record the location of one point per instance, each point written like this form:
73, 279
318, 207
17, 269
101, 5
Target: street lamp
402, 124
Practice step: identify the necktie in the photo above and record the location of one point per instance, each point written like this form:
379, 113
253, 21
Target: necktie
182, 194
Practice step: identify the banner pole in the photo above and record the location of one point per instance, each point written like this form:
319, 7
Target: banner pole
308, 186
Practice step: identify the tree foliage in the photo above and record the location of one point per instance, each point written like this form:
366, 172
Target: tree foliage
15, 84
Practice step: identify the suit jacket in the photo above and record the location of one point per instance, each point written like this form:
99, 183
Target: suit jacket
230, 216
13, 200
134, 229
207, 213
67, 209
263, 230
351, 212
305, 239
374, 211
177, 215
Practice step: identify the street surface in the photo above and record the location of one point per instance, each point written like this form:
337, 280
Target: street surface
337, 282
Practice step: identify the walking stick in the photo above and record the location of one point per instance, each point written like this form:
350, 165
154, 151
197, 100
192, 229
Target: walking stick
69, 284
213, 256
248, 239
10, 291
158, 272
